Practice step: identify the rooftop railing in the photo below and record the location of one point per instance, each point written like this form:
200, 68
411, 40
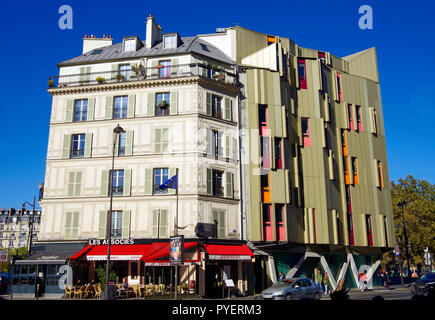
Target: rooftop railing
140, 73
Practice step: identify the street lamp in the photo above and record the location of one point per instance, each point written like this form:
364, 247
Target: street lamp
118, 130
29, 242
402, 204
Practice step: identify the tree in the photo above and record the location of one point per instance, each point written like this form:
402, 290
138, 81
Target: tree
419, 212
4, 266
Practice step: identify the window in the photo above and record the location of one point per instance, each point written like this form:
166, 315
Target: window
344, 142
165, 69
80, 110
322, 56
379, 172
267, 222
270, 40
124, 71
346, 170
218, 187
385, 230
120, 107
369, 230
11, 243
350, 229
355, 171
359, 119
348, 199
302, 74
118, 182
314, 226
350, 116
161, 142
217, 149
23, 227
78, 146
265, 153
306, 134
162, 104
122, 143
262, 117
160, 177
375, 123
339, 88
116, 224
278, 153
279, 218
216, 106
170, 42
129, 45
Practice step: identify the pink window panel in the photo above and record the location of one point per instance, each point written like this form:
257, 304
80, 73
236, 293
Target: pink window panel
350, 113
359, 119
306, 132
267, 223
302, 71
278, 154
280, 228
263, 120
369, 230
340, 88
265, 152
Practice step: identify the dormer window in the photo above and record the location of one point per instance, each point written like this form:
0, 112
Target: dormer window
130, 45
170, 42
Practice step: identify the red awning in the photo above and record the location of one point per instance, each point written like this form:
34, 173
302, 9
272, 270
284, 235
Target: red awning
229, 252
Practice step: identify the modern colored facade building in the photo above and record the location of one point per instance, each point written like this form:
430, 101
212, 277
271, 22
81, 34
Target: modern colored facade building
281, 149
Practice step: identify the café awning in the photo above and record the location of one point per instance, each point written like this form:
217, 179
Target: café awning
229, 252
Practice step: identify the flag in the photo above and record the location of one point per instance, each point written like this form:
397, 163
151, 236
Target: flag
170, 183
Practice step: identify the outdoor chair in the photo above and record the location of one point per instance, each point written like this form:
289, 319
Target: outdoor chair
79, 292
89, 291
98, 291
68, 292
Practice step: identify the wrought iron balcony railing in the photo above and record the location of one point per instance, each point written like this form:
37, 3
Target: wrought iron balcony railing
143, 74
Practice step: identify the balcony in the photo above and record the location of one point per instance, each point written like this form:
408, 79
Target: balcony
143, 74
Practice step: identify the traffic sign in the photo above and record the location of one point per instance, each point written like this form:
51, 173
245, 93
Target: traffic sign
3, 256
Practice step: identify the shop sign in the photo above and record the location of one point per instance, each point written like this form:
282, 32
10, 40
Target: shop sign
228, 257
176, 250
99, 242
3, 256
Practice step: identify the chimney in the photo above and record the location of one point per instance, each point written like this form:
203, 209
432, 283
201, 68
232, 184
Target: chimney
92, 42
153, 33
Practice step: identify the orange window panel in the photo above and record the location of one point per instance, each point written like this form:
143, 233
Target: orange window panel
355, 171
265, 189
271, 39
346, 170
344, 142
381, 181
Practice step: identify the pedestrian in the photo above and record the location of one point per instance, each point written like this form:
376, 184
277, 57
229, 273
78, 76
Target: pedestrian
281, 276
363, 280
318, 279
326, 282
387, 280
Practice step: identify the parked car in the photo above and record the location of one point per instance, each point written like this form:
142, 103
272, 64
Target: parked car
293, 289
423, 286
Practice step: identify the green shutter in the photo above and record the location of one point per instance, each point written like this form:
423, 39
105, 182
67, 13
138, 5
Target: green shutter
173, 108
174, 67
102, 225
204, 69
91, 109
229, 185
148, 181
227, 111
68, 224
221, 225
126, 223
109, 107
70, 187
172, 172
69, 110
163, 223
227, 146
114, 71
209, 182
131, 105
75, 225
127, 182
164, 141
208, 103
155, 223
105, 183
115, 138
151, 104
66, 146
209, 141
154, 70
157, 140
78, 184
129, 143
133, 74
88, 145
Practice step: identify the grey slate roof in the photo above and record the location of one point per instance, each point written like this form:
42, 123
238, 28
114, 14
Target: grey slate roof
55, 253
188, 45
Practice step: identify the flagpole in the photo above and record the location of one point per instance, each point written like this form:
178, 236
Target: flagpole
176, 233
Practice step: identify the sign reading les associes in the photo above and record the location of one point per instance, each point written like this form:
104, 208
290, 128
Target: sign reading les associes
99, 242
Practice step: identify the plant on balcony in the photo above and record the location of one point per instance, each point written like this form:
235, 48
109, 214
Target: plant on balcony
163, 104
139, 70
51, 83
159, 66
100, 80
119, 77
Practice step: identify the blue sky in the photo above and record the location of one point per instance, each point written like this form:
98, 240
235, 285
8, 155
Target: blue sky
32, 44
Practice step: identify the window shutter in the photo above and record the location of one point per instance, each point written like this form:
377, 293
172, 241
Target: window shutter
155, 223
227, 113
228, 146
209, 141
157, 140
71, 180
230, 185
129, 143
126, 223
151, 104
88, 145
174, 67
163, 223
204, 68
68, 225
148, 181
75, 225
116, 144
172, 172
221, 225
154, 70
173, 103
102, 225
220, 148
78, 184
66, 146
208, 103
209, 182
127, 182
91, 109
109, 108
105, 183
114, 71
69, 110
131, 105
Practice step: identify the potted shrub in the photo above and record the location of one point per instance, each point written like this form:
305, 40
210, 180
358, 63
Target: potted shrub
139, 70
101, 273
119, 77
100, 80
51, 83
163, 104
